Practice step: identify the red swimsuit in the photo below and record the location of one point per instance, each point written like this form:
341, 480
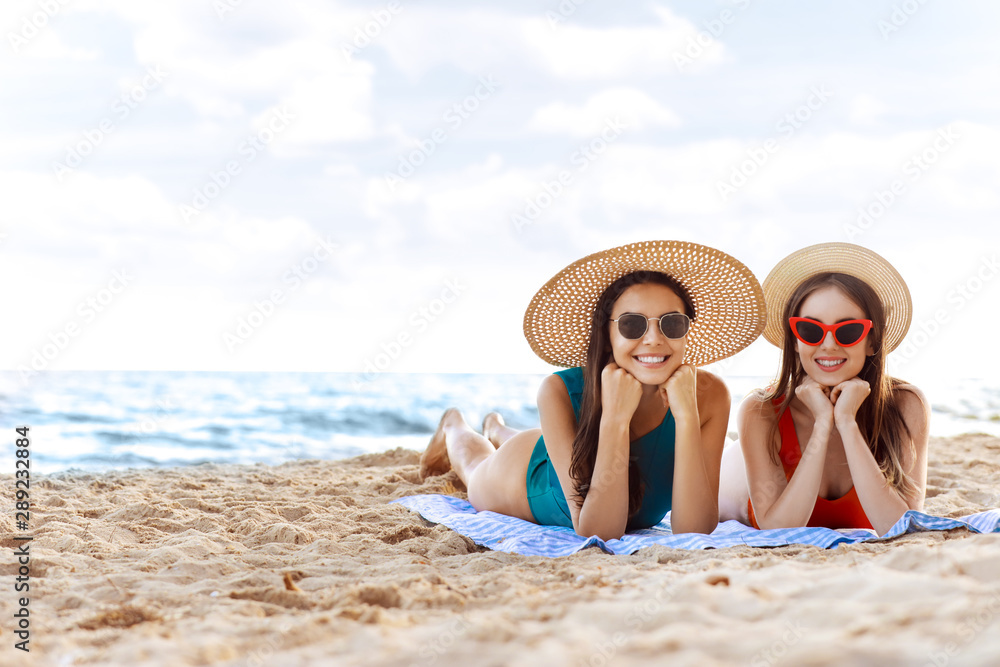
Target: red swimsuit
844, 512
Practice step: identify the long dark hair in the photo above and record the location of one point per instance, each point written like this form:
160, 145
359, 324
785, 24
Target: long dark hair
879, 417
599, 354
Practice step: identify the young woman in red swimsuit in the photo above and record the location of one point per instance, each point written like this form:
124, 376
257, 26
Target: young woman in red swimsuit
835, 441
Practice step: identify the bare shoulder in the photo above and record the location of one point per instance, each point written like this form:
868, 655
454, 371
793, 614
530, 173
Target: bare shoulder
711, 385
756, 409
713, 394
913, 405
552, 391
552, 383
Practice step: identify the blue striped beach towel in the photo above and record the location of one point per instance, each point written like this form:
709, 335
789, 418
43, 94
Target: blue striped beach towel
505, 533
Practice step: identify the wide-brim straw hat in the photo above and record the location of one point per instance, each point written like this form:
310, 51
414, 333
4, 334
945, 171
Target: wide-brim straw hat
854, 260
728, 300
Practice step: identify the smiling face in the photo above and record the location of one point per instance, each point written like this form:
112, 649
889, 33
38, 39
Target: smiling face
828, 363
652, 358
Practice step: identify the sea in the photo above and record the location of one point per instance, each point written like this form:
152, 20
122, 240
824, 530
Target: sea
113, 420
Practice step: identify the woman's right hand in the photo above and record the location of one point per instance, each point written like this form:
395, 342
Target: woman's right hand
620, 392
816, 397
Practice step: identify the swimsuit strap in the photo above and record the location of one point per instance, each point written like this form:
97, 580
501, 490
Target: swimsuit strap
790, 452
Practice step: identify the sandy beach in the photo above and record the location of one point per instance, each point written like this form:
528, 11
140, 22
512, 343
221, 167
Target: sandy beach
306, 563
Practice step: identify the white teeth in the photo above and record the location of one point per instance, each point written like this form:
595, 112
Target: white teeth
829, 363
651, 360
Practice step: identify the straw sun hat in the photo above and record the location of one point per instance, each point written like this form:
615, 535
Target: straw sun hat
728, 301
848, 258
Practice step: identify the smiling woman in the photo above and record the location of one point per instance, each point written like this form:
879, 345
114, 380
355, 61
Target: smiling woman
836, 310
633, 429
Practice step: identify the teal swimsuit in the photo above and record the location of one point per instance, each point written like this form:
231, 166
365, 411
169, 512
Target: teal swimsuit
653, 453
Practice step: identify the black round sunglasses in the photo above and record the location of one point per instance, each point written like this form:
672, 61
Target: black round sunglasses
633, 325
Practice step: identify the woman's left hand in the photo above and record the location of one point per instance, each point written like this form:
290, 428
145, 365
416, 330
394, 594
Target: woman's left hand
680, 391
847, 397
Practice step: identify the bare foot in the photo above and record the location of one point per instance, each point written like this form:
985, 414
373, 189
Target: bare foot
434, 460
494, 429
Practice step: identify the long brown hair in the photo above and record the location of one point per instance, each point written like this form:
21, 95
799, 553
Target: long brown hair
599, 354
879, 417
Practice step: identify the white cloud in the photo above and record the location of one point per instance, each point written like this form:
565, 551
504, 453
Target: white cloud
109, 221
188, 284
567, 51
807, 192
866, 110
578, 52
330, 107
49, 45
214, 67
634, 107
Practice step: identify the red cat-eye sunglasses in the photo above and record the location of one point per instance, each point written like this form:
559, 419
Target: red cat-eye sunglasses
846, 333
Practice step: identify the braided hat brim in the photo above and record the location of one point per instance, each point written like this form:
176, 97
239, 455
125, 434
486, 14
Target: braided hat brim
728, 300
847, 258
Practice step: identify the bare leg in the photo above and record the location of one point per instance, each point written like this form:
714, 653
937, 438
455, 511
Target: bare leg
496, 431
466, 448
495, 478
434, 460
454, 446
733, 490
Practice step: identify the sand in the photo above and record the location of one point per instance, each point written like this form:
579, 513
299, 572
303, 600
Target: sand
306, 564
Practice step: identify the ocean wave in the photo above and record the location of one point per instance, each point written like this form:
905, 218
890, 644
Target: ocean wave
98, 420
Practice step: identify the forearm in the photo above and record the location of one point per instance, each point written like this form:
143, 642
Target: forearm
695, 499
882, 504
794, 505
605, 509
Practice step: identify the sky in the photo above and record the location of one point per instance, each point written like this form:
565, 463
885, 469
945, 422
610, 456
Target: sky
241, 185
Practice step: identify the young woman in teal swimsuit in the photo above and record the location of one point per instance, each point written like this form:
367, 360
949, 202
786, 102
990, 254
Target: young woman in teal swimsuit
633, 429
